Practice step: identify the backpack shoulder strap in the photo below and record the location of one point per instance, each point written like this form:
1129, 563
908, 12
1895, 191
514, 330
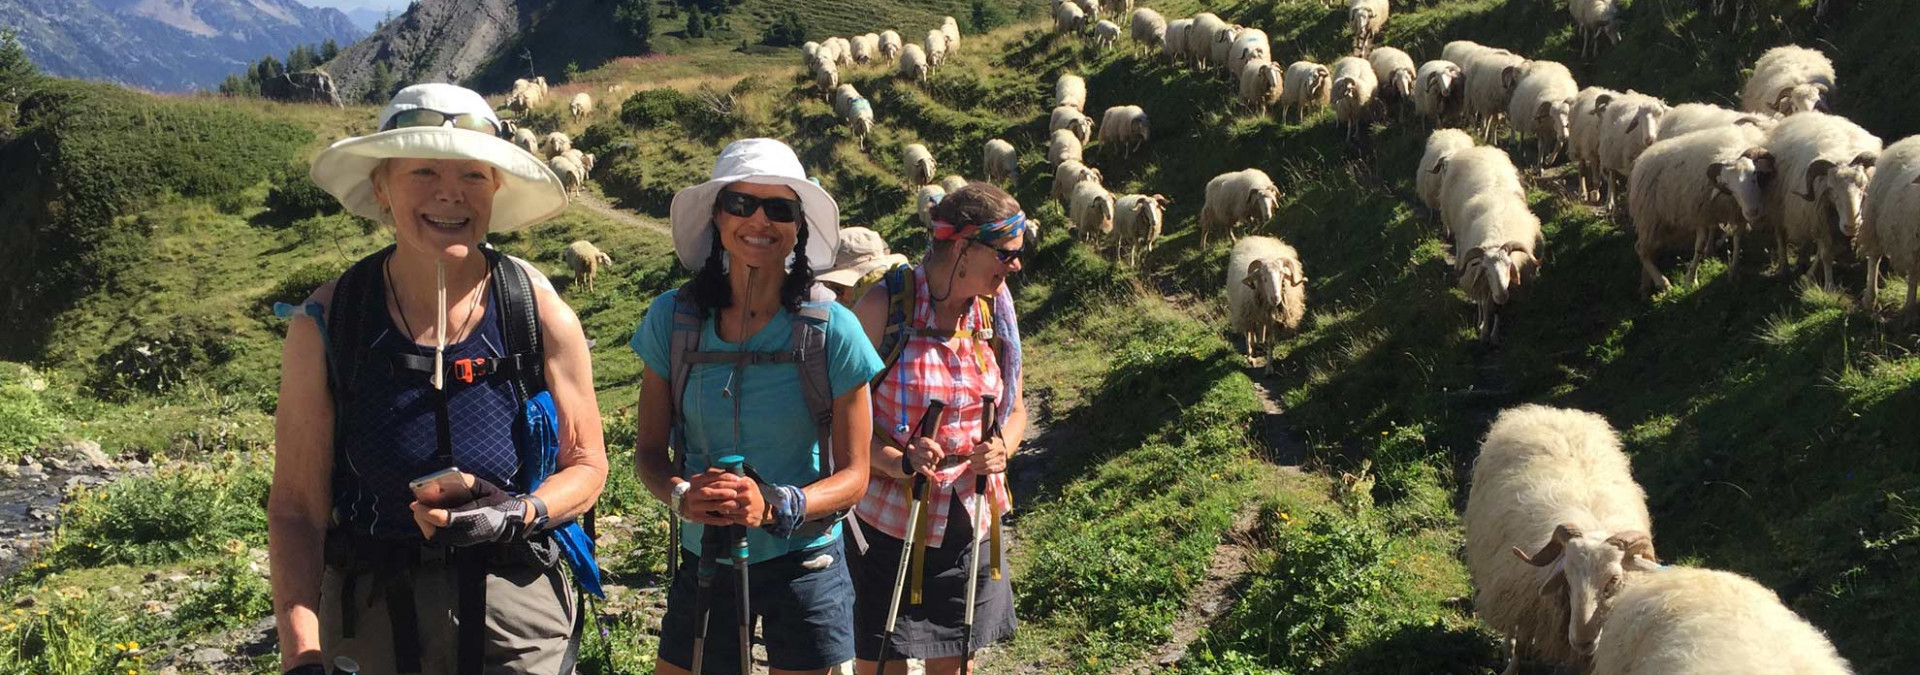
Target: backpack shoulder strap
520, 323
810, 356
900, 288
356, 307
688, 317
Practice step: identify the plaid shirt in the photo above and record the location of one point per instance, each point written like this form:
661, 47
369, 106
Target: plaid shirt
957, 371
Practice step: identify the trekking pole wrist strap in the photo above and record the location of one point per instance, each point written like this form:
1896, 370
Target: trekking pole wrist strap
787, 507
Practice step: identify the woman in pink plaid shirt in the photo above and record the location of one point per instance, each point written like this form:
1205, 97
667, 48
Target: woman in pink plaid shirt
951, 354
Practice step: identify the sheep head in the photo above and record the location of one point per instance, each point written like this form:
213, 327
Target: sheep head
1489, 272
1263, 202
1270, 76
1266, 280
1842, 188
1556, 116
1140, 128
1800, 98
1346, 88
1358, 18
1745, 178
1644, 130
1401, 83
1588, 569
1510, 76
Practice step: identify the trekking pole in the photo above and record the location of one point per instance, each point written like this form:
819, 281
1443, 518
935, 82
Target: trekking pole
735, 464
928, 422
989, 419
703, 598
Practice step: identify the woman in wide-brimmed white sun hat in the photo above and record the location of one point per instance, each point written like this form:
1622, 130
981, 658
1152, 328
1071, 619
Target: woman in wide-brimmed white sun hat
418, 368
728, 343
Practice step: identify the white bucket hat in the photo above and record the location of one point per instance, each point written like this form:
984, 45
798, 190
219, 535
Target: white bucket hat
530, 192
861, 252
761, 161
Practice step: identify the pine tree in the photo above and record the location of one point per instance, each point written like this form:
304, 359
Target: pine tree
696, 22
987, 16
17, 74
636, 16
300, 59
329, 50
382, 86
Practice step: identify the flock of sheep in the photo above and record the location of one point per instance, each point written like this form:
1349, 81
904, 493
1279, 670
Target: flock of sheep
912, 61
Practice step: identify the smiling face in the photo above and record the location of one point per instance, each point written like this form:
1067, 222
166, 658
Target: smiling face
982, 264
438, 206
754, 240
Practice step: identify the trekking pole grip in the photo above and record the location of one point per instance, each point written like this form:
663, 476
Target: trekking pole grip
929, 423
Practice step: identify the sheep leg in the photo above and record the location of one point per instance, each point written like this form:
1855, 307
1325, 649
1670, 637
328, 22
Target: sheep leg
1780, 250
1825, 251
1913, 284
1513, 657
1733, 260
1701, 238
1651, 280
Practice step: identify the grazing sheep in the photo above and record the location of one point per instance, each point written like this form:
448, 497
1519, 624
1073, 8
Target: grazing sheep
1439, 96
1125, 126
843, 96
1224, 39
1496, 237
1458, 51
1174, 45
1307, 88
1491, 75
1630, 123
865, 47
924, 201
1689, 188
1260, 85
1687, 118
1091, 8
1353, 88
1070, 91
1365, 19
1069, 174
1149, 30
581, 106
950, 28
571, 174
1395, 72
1690, 621
1542, 106
859, 119
585, 260
1249, 46
1069, 19
952, 182
1071, 119
1063, 145
827, 78
1090, 212
913, 64
1200, 37
1824, 163
1116, 8
917, 163
1595, 19
936, 46
1235, 197
1441, 144
1583, 137
525, 138
1137, 220
1554, 482
1789, 80
1000, 164
1266, 291
558, 143
890, 45
1105, 34
1890, 221
808, 52
842, 50
583, 159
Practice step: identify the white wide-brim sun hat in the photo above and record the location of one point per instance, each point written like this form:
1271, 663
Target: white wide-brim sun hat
529, 193
762, 161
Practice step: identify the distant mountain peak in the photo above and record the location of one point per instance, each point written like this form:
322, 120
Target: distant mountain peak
167, 45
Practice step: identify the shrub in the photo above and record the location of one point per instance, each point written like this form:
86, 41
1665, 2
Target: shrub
301, 282
787, 30
159, 356
25, 420
295, 196
600, 137
234, 595
177, 513
652, 108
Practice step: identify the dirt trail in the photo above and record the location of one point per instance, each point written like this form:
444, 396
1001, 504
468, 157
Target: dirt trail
594, 203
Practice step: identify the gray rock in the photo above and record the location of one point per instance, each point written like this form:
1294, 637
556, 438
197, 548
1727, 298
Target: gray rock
89, 455
33, 470
9, 471
207, 656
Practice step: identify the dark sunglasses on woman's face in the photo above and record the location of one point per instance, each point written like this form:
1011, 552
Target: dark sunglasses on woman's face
422, 117
1006, 255
779, 209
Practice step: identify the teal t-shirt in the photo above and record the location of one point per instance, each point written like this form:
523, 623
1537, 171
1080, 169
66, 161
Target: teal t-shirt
776, 434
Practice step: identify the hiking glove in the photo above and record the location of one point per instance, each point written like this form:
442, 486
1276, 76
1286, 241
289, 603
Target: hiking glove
492, 516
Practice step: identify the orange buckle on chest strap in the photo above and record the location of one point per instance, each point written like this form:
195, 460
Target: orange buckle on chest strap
465, 369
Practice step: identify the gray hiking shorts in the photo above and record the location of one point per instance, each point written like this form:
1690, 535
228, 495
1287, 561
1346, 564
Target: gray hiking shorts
530, 613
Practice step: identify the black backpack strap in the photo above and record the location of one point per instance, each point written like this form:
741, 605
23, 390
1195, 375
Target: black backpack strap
520, 319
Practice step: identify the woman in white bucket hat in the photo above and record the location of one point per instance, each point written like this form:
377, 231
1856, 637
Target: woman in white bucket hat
728, 342
417, 369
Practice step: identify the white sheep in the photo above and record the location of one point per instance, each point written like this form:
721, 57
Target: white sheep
1824, 163
1687, 118
952, 182
1554, 482
525, 138
827, 78
585, 260
1174, 45
1542, 106
1307, 88
1221, 47
1583, 137
1467, 173
571, 174
1688, 189
1137, 220
925, 199
843, 96
1105, 34
1365, 18
1069, 19
917, 163
1595, 19
859, 119
1090, 212
890, 45
1125, 126
1458, 51
1266, 291
1691, 621
1000, 164
1250, 45
1068, 175
1116, 8
865, 47
1235, 197
936, 46
1149, 30
808, 52
1491, 75
1352, 93
1070, 91
1200, 36
558, 143
1788, 80
842, 50
1496, 244
1091, 8
1439, 94
581, 106
1890, 221
950, 27
1630, 123
1441, 144
1063, 145
1071, 119
1260, 85
584, 159
1395, 72
913, 64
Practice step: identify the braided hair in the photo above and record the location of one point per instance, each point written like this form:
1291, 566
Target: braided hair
712, 292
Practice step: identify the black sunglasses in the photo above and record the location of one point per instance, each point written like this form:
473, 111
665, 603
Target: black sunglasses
779, 209
422, 117
1006, 255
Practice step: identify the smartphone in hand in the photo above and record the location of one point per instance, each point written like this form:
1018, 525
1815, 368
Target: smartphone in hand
446, 487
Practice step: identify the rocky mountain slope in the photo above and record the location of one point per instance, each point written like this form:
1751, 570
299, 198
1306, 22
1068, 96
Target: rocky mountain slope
166, 45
